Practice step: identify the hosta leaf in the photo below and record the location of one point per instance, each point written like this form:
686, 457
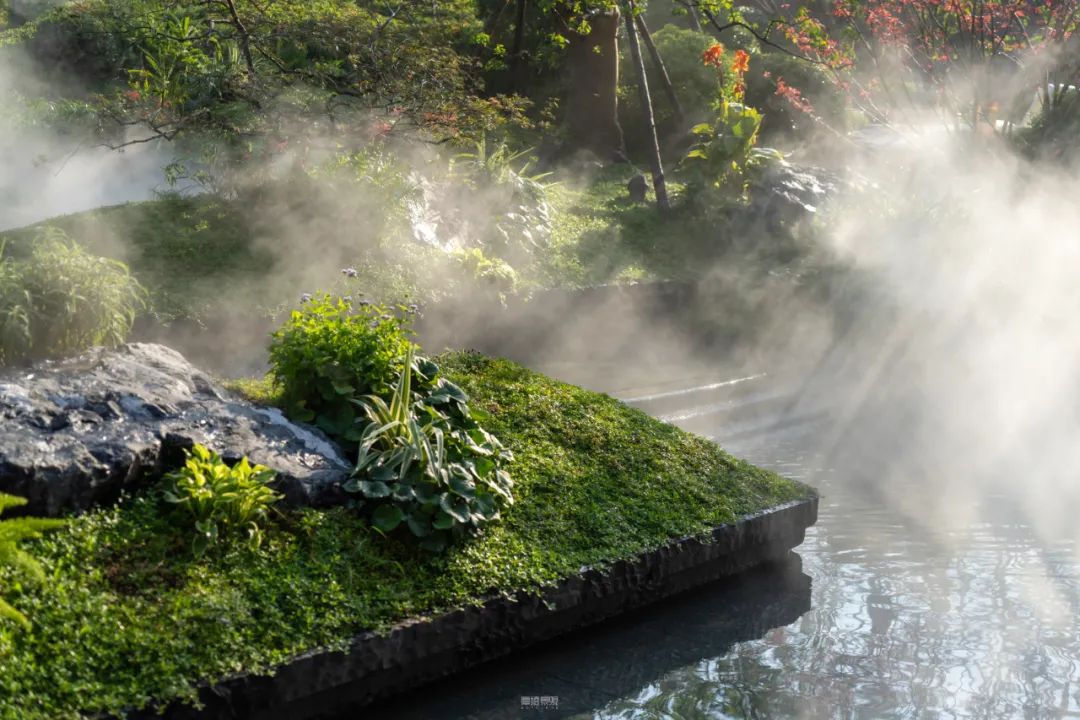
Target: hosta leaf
426, 493
419, 525
387, 517
383, 473
442, 521
427, 368
374, 488
483, 466
457, 509
463, 487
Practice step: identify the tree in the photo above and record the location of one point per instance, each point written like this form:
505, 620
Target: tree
592, 104
655, 162
251, 70
658, 61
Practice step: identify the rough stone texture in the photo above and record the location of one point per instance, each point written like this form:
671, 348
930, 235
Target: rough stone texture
787, 192
75, 433
324, 684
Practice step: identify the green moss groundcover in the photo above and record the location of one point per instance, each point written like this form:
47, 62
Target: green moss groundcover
128, 616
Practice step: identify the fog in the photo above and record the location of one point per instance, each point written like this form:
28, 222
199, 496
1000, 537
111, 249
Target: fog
945, 348
45, 173
959, 368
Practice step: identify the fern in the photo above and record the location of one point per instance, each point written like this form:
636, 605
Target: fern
12, 532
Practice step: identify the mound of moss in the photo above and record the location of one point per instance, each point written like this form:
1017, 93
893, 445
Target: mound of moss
185, 249
128, 616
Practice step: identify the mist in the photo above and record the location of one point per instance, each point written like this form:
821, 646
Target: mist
45, 173
954, 375
945, 347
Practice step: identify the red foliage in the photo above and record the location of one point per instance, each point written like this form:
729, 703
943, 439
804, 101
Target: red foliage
793, 96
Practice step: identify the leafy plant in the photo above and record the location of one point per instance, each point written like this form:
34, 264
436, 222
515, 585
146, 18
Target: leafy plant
425, 462
61, 300
517, 219
12, 532
218, 500
726, 149
332, 351
486, 274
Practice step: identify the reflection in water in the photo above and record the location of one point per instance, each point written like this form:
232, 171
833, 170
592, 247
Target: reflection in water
914, 619
630, 664
910, 618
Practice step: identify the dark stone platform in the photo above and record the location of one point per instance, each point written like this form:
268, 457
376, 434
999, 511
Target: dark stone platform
333, 684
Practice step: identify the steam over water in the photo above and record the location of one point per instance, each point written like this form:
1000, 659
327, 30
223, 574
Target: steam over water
904, 617
938, 412
939, 417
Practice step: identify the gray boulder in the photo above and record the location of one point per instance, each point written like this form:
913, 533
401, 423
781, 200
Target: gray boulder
75, 433
792, 191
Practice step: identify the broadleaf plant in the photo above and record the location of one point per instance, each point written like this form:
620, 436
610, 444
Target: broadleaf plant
331, 351
424, 463
217, 500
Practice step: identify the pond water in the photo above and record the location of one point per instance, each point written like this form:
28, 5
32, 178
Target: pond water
886, 612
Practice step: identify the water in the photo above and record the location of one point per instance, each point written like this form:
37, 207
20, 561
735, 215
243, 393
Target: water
889, 613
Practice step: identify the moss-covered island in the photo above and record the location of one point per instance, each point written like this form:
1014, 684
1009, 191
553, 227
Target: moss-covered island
128, 617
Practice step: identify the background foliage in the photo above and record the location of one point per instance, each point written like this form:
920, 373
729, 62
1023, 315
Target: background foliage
60, 300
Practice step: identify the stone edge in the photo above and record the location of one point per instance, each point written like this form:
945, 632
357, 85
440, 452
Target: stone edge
376, 666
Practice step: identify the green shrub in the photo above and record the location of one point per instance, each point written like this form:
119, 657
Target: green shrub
217, 500
12, 532
697, 85
425, 462
332, 351
484, 275
61, 300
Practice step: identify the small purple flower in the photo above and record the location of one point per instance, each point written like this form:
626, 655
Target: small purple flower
414, 308
363, 303
305, 297
349, 272
347, 299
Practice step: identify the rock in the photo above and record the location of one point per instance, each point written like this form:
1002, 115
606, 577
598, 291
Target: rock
792, 191
637, 186
76, 433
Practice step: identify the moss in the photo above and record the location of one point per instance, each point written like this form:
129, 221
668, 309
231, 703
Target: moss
128, 616
260, 391
601, 236
185, 249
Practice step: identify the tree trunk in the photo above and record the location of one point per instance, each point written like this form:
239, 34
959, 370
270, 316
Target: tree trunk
659, 185
691, 14
592, 106
245, 40
519, 47
669, 89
